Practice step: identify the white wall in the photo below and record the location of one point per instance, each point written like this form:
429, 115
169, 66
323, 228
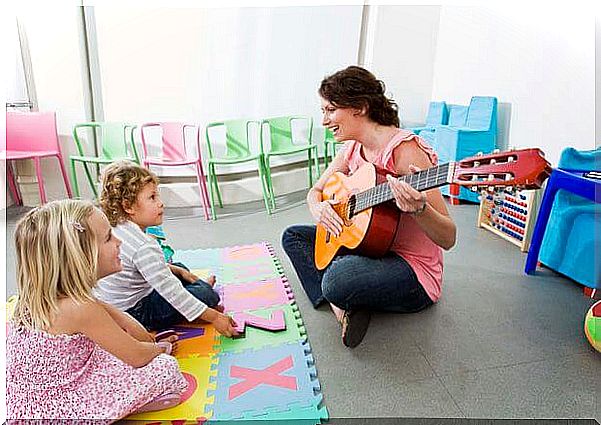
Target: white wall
541, 60
202, 65
405, 39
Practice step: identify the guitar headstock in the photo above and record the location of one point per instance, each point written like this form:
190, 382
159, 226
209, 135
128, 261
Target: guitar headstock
522, 169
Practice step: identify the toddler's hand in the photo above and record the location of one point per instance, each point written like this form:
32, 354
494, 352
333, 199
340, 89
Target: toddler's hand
225, 325
189, 276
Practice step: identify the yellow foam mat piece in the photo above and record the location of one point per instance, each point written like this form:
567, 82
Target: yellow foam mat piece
197, 372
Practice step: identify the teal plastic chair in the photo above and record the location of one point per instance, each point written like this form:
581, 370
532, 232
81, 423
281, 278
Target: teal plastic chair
237, 151
438, 114
567, 234
283, 143
116, 140
329, 147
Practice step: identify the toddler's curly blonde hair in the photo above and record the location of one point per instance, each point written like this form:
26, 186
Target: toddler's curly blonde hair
121, 183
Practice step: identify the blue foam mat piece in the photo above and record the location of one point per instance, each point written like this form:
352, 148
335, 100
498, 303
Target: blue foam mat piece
264, 397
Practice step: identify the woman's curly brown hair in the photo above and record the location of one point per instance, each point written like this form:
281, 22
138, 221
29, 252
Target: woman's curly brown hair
356, 87
121, 183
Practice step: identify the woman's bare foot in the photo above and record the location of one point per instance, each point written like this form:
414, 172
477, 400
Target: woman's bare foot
338, 312
211, 280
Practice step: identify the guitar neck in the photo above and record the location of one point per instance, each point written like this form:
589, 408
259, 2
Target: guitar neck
423, 180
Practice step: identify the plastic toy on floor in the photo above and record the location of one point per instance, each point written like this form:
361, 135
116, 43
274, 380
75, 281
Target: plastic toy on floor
592, 326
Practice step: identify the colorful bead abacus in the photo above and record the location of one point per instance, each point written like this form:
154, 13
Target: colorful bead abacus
510, 214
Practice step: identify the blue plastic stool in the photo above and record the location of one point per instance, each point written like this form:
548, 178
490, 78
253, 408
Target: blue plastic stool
571, 181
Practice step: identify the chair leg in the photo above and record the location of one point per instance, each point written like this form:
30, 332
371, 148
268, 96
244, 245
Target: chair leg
202, 190
205, 192
318, 171
325, 155
212, 192
74, 179
541, 224
12, 184
65, 177
90, 179
268, 180
267, 197
38, 172
216, 185
310, 167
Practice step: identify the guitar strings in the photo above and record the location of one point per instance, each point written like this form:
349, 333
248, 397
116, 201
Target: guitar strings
426, 179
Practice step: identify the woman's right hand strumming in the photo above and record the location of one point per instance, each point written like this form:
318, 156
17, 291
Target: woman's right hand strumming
326, 216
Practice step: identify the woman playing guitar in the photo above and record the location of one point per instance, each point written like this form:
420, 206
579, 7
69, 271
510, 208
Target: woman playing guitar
408, 277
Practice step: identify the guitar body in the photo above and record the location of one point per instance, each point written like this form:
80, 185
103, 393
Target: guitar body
369, 233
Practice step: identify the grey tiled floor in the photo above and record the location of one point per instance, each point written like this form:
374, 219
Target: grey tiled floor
499, 344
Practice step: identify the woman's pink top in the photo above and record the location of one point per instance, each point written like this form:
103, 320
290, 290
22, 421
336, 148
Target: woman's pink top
71, 377
411, 243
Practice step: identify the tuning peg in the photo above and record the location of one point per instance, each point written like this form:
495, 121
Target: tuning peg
480, 153
507, 176
496, 151
491, 188
512, 148
510, 159
491, 177
474, 188
493, 161
476, 163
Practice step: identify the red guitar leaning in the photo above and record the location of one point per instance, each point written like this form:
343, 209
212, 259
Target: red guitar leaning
370, 219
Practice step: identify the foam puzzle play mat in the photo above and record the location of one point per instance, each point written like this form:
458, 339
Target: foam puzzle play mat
266, 375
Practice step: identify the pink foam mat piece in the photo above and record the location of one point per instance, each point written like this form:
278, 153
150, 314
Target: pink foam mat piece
255, 295
275, 322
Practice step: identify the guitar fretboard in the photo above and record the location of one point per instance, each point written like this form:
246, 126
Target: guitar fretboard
423, 180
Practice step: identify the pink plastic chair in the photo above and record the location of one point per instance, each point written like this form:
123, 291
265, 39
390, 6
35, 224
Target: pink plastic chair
174, 153
32, 135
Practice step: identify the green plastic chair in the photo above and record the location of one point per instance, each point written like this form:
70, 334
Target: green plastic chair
282, 143
116, 142
237, 151
329, 147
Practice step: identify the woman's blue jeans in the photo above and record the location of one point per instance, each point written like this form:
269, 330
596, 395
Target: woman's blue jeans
353, 282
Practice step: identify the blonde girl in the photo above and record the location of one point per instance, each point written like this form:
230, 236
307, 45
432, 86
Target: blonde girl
70, 356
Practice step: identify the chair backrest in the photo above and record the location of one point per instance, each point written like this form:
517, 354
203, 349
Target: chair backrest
31, 132
173, 140
482, 113
457, 114
438, 113
237, 140
116, 139
280, 130
572, 159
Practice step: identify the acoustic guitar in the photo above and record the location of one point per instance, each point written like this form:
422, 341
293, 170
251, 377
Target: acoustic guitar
367, 203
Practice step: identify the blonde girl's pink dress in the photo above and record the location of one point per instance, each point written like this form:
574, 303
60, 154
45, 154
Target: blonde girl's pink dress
70, 377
